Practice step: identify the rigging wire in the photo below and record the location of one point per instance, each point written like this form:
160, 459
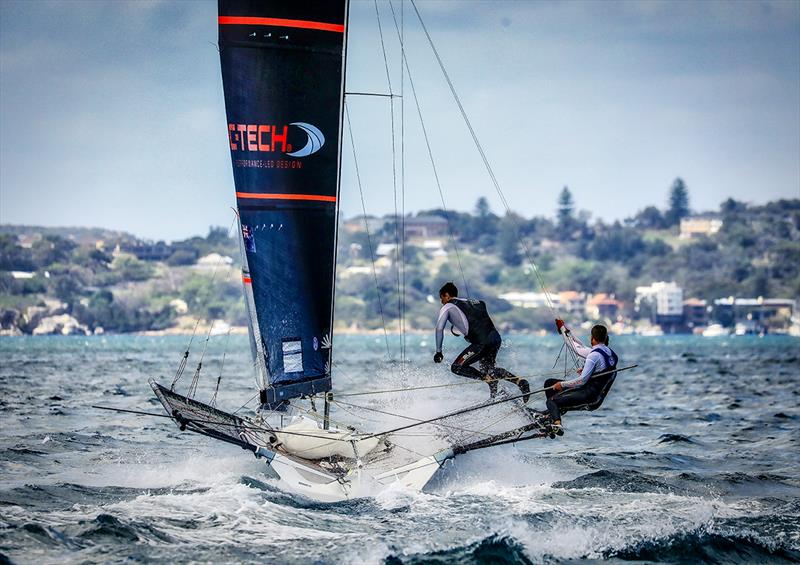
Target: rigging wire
397, 248
494, 403
366, 228
417, 421
448, 385
485, 160
430, 156
402, 183
221, 367
185, 358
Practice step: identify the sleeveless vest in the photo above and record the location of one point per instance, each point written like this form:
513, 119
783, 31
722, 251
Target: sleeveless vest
603, 382
481, 327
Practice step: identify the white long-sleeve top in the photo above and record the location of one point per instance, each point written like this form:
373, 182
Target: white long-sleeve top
452, 314
594, 360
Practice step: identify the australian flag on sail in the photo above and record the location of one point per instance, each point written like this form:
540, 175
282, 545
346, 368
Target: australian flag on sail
282, 73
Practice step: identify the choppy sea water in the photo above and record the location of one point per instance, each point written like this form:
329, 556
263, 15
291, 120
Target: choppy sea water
695, 457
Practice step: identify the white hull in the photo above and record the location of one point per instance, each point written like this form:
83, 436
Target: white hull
317, 485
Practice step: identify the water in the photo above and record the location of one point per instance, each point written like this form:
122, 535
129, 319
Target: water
694, 457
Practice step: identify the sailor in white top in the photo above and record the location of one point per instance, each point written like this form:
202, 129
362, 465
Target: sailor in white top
588, 390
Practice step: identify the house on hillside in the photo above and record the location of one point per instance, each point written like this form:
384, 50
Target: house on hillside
701, 224
572, 301
603, 306
357, 224
425, 227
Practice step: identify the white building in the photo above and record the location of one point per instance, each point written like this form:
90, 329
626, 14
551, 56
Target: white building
528, 299
667, 297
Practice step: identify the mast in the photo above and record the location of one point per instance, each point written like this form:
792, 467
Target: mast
283, 80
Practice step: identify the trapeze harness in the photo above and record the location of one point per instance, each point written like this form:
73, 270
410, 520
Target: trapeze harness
481, 327
602, 383
590, 395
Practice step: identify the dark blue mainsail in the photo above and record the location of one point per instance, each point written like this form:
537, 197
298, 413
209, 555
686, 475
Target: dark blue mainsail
283, 78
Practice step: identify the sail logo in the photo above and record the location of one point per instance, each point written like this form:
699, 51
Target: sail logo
265, 138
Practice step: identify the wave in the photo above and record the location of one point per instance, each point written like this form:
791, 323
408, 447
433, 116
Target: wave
624, 481
704, 547
62, 496
498, 550
106, 526
675, 438
699, 546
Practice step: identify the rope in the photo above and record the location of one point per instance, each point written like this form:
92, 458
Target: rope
366, 228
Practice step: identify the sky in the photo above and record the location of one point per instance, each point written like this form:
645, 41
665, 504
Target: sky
112, 115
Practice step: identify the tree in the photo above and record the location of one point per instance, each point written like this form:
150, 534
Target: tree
482, 208
509, 242
678, 203
650, 218
566, 208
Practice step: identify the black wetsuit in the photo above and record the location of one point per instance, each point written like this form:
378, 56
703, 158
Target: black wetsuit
586, 397
484, 343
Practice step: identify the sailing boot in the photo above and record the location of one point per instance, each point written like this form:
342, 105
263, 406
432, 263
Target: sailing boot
523, 385
525, 389
555, 429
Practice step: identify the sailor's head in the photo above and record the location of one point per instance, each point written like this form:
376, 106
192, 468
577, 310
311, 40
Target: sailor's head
448, 292
599, 335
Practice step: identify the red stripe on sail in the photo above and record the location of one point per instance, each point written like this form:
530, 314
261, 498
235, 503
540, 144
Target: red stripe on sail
280, 22
268, 196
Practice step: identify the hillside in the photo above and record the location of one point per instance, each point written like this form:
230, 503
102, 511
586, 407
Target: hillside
85, 280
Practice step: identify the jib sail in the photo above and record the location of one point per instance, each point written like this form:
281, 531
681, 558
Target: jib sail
283, 79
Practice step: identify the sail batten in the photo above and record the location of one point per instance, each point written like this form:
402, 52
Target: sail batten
282, 71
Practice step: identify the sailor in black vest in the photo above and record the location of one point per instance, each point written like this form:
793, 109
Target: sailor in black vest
587, 391
470, 319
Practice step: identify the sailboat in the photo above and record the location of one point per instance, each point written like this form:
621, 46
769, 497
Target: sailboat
283, 78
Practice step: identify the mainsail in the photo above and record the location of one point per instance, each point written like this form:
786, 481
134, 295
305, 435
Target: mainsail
282, 73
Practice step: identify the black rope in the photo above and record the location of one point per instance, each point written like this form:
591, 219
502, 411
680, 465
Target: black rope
182, 364
372, 94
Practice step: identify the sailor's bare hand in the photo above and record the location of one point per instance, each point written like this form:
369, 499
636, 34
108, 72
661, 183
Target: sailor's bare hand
558, 387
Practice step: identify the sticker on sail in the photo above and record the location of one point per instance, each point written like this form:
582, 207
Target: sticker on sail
316, 343
292, 356
249, 240
326, 342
